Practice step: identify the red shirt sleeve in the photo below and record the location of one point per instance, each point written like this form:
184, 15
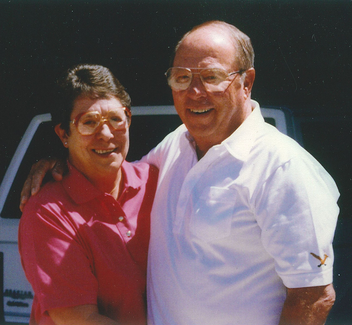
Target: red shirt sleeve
55, 261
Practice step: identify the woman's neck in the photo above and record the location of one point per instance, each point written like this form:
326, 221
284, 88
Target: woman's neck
110, 185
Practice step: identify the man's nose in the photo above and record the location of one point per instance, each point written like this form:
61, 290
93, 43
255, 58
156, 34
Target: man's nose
197, 87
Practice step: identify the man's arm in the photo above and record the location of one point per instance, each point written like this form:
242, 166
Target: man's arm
37, 174
307, 306
82, 315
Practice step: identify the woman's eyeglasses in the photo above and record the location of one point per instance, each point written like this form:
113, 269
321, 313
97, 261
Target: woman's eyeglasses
89, 123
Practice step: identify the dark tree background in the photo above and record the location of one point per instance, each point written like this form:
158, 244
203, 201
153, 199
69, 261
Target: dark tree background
303, 61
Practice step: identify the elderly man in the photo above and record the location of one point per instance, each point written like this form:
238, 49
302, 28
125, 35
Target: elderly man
240, 209
242, 213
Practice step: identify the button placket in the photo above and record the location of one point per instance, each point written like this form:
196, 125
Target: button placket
189, 183
122, 223
123, 227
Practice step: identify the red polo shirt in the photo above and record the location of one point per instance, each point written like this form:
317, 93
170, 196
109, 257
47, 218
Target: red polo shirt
80, 246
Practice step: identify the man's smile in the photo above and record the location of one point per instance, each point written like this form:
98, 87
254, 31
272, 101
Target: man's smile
200, 111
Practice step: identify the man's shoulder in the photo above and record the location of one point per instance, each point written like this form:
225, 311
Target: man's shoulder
275, 142
175, 135
174, 140
168, 147
272, 149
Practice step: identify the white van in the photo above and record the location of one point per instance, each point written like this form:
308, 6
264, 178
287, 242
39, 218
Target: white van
149, 125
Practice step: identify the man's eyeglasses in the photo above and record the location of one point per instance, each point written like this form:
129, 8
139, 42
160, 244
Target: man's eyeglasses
213, 79
89, 123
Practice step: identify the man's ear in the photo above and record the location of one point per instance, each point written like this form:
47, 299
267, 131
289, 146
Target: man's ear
62, 135
248, 82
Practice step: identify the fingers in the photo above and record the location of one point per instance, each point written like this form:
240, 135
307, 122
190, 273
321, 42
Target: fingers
36, 175
30, 188
58, 170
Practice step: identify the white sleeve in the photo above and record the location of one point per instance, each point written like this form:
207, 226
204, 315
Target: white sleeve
297, 212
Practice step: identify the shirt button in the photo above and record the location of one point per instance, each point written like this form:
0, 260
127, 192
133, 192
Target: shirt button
121, 218
129, 233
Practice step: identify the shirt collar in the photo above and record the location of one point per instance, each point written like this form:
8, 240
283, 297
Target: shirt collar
81, 190
240, 143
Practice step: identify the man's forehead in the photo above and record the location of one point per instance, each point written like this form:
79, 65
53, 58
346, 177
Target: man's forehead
217, 33
202, 48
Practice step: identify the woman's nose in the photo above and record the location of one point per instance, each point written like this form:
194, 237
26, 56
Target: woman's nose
105, 131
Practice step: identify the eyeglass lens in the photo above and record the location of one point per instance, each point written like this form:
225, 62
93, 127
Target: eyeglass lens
181, 78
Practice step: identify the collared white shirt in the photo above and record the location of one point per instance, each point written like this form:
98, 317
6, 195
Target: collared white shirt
229, 232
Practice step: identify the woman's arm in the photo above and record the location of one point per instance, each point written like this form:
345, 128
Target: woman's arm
82, 315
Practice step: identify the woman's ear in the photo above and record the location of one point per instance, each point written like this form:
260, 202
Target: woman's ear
61, 133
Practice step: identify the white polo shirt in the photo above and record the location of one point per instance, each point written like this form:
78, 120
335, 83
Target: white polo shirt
229, 232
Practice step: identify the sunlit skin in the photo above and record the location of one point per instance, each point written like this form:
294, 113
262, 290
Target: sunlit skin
99, 156
211, 117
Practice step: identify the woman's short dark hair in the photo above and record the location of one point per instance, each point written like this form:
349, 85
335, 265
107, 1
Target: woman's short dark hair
94, 81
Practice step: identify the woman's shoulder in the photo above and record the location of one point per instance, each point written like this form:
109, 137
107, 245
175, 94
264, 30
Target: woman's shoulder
50, 197
49, 191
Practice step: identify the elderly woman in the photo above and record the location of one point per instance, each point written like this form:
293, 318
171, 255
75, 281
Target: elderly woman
84, 240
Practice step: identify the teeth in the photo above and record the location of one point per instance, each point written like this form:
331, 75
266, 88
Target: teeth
199, 111
101, 152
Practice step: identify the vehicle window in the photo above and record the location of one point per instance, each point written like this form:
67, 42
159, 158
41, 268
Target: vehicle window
145, 133
44, 143
270, 120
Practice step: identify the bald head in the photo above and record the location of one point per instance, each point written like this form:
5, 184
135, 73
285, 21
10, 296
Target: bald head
241, 43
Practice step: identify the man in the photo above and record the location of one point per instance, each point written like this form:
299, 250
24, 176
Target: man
245, 205
242, 212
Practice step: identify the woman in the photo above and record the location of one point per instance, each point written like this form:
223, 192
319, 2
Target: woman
83, 241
